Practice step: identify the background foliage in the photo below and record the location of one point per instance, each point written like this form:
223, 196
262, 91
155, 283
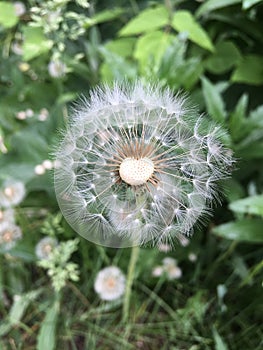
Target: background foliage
212, 50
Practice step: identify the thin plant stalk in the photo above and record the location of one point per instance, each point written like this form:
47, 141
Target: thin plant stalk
130, 277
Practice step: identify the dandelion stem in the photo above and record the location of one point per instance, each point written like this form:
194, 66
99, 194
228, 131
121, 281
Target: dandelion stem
130, 277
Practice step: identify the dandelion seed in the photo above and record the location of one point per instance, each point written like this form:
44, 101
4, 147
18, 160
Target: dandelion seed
9, 235
137, 166
45, 246
12, 193
110, 283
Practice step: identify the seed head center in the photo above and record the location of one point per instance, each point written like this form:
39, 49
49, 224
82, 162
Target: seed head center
136, 172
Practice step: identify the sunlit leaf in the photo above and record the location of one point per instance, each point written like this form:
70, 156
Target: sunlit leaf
8, 17
247, 230
183, 21
147, 20
249, 70
250, 205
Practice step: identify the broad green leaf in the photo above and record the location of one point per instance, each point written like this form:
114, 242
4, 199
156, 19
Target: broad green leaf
226, 55
214, 102
212, 5
103, 16
35, 43
47, 335
249, 70
219, 343
251, 205
147, 20
122, 47
8, 17
183, 21
249, 3
247, 230
151, 47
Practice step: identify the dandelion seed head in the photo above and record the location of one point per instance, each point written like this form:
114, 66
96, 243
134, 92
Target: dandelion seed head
12, 193
9, 235
136, 165
44, 247
110, 283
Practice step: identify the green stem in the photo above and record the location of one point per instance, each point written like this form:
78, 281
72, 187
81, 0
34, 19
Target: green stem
130, 277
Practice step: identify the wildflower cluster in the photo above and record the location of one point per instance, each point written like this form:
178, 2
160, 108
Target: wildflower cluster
136, 165
169, 268
55, 259
11, 194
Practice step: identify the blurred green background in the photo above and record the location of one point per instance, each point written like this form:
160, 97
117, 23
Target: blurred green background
52, 52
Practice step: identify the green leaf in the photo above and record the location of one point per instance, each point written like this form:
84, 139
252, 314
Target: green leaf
214, 102
47, 335
252, 151
212, 5
249, 70
249, 3
8, 17
251, 205
151, 47
238, 121
183, 21
226, 55
147, 20
35, 43
245, 230
219, 343
103, 16
122, 47
20, 304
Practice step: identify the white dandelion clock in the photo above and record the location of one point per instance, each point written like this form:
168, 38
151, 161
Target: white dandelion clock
110, 283
9, 235
12, 193
137, 166
45, 247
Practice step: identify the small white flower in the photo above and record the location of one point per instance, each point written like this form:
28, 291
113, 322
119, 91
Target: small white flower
29, 113
7, 215
164, 247
12, 193
9, 234
110, 283
20, 8
45, 247
169, 268
43, 115
21, 115
192, 257
39, 169
56, 69
157, 271
47, 164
